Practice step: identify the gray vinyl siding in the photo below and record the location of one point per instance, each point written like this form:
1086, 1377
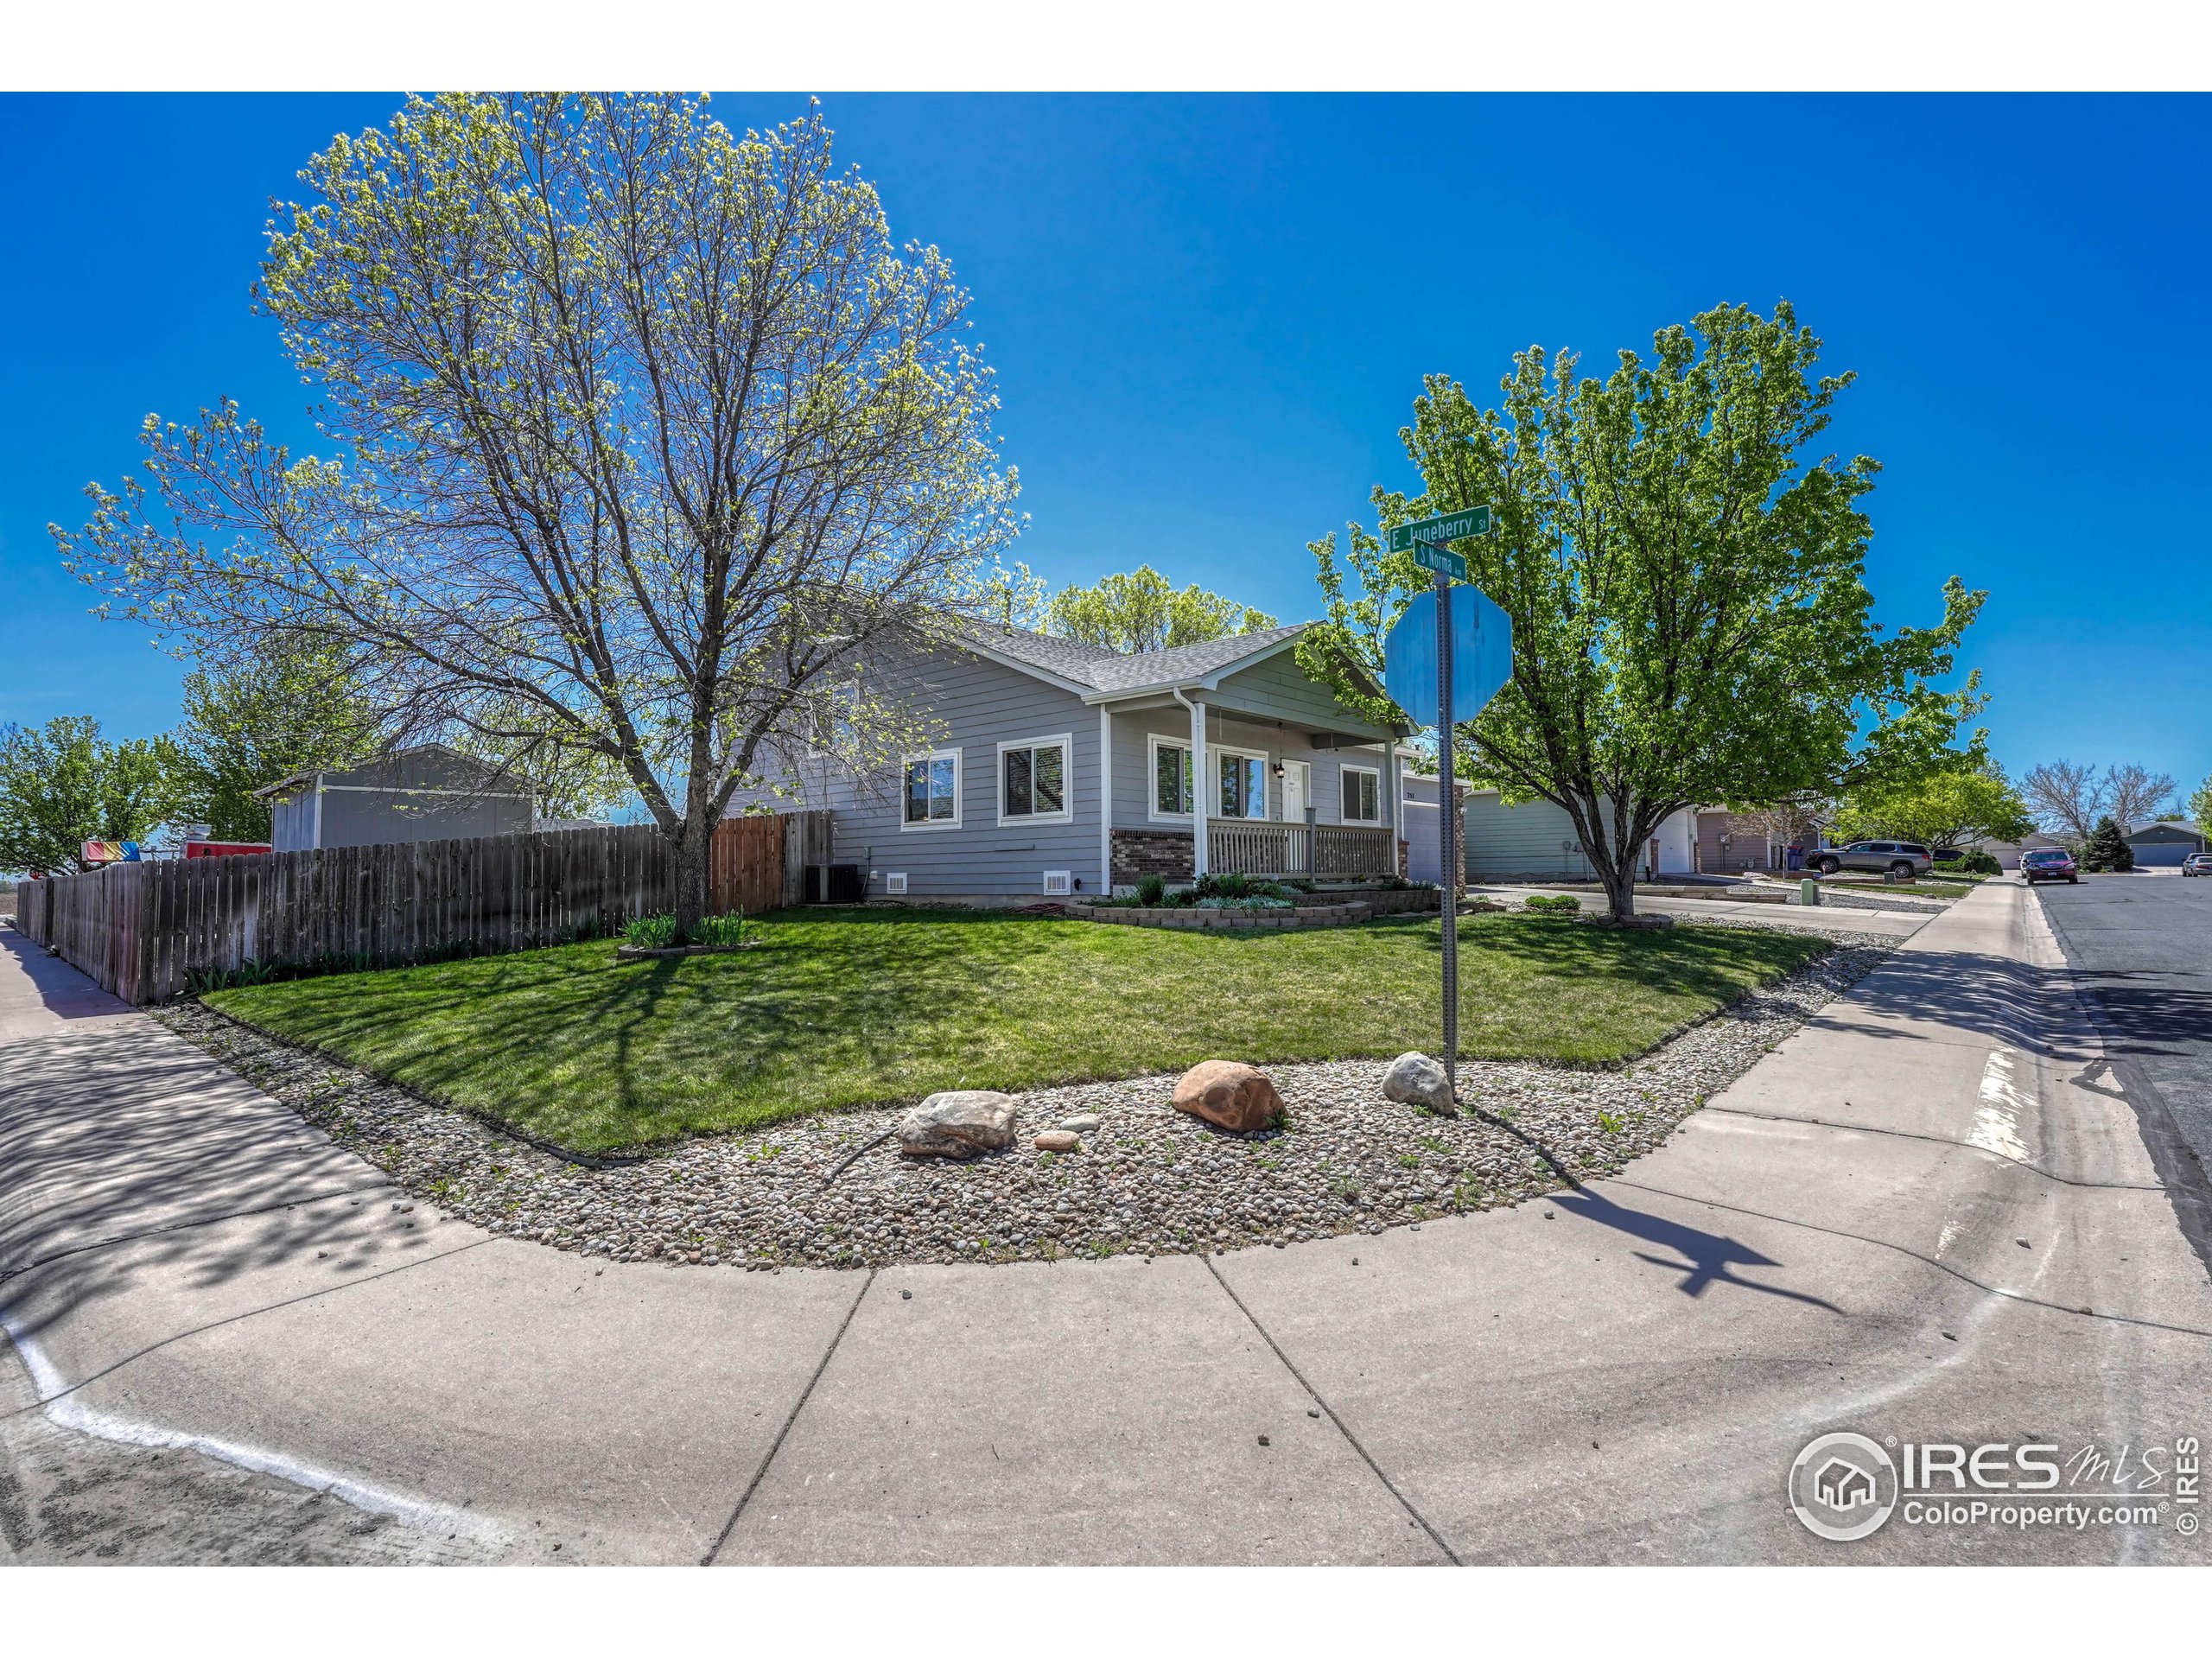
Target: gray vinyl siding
1536, 838
1510, 841
1280, 687
974, 705
427, 793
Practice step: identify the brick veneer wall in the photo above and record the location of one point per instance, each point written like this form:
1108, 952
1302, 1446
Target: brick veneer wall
1163, 853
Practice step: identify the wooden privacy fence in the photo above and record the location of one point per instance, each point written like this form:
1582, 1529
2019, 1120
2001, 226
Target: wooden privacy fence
144, 929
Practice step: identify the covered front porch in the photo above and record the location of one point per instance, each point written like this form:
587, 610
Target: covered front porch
1259, 771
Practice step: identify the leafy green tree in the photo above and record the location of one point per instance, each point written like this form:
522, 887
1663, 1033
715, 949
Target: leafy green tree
2108, 847
1950, 804
1686, 582
259, 717
1141, 610
62, 785
2200, 806
647, 433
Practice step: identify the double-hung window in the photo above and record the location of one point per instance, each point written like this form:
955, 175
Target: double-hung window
1033, 780
932, 792
1363, 801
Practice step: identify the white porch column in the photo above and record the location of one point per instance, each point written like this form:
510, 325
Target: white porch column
1105, 803
1394, 814
1199, 809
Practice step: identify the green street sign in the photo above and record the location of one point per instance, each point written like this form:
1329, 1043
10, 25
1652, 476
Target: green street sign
1447, 527
1440, 560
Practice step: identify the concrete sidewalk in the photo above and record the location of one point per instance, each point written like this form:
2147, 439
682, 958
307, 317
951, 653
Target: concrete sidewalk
1620, 1374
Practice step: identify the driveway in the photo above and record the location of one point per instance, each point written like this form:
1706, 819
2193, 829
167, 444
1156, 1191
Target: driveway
1927, 1215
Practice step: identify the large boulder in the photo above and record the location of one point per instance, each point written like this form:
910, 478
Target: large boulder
1413, 1079
1228, 1092
957, 1123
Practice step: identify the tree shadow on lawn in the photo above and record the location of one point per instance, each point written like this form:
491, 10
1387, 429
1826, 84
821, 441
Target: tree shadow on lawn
846, 1009
663, 1038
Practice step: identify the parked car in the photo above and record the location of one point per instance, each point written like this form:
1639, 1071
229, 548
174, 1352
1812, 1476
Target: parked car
2197, 864
2049, 864
1946, 855
1905, 860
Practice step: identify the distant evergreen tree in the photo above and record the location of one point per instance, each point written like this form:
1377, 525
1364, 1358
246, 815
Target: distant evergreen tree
2107, 849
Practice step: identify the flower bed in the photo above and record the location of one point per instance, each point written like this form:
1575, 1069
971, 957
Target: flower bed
1317, 913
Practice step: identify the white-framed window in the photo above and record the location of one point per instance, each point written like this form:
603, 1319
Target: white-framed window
1035, 774
1171, 779
1239, 786
1240, 782
930, 797
1363, 802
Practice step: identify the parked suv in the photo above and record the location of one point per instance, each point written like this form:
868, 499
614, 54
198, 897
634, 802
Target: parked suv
2049, 864
2197, 864
1903, 859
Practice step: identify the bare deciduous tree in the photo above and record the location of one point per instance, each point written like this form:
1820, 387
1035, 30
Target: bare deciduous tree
2068, 798
2138, 795
648, 432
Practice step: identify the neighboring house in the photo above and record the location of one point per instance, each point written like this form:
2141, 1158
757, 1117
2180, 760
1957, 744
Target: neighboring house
1535, 841
2165, 842
427, 793
2007, 853
1729, 843
1061, 767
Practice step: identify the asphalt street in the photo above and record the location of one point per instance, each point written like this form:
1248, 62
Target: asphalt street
2140, 947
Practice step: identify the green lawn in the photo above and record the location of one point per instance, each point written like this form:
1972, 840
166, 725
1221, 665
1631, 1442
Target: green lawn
838, 1009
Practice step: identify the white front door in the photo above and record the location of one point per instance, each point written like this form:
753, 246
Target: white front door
1296, 774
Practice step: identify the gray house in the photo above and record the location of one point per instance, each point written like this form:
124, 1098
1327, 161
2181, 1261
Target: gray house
2165, 843
426, 793
1534, 841
1059, 768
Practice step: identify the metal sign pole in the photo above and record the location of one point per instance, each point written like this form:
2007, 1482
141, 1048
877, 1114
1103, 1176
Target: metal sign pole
1446, 803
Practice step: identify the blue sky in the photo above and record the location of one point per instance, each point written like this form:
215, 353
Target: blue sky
1206, 335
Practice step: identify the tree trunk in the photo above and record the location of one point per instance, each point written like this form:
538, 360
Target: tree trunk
1617, 873
1613, 849
692, 873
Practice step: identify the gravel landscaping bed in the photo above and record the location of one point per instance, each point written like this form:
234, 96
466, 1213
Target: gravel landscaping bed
1148, 1180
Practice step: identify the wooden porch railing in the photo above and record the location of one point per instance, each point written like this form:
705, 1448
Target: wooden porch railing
1320, 849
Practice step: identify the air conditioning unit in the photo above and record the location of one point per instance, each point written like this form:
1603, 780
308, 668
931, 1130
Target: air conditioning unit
894, 881
1058, 883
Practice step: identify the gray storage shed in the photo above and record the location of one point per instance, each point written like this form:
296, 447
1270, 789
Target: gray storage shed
427, 793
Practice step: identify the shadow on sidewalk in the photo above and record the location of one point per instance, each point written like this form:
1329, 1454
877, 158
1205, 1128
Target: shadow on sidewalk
1707, 1258
2010, 1004
113, 1132
62, 991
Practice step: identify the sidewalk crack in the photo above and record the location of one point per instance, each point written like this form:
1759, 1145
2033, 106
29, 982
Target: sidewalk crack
777, 1445
1351, 1439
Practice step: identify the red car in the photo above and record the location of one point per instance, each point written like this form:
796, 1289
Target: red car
2049, 864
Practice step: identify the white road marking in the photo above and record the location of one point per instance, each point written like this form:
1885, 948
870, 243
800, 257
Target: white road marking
63, 1407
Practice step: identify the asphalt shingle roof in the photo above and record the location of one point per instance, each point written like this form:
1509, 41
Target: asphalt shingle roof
1115, 671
